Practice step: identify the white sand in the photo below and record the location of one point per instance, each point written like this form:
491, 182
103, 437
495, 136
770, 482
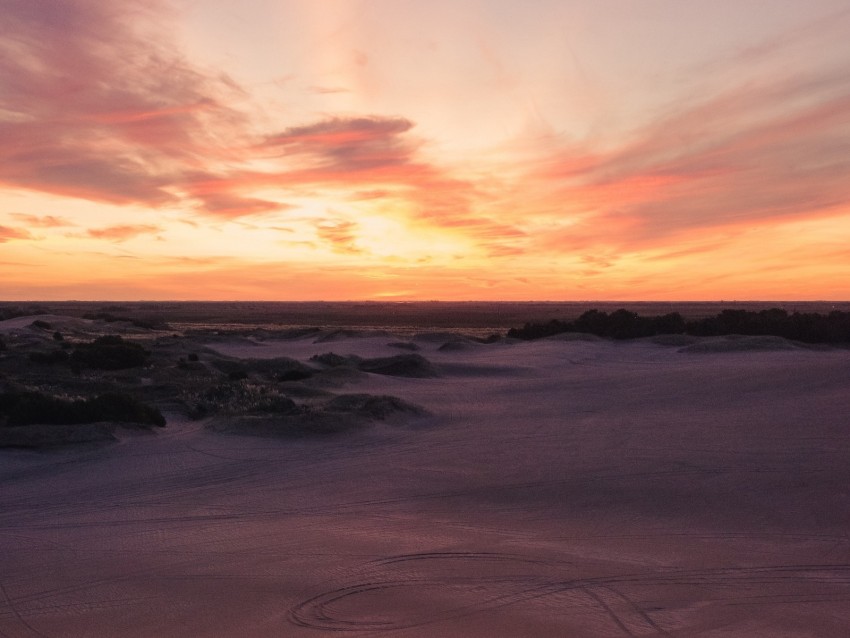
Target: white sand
579, 489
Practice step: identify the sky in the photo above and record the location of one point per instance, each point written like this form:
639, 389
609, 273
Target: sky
404, 150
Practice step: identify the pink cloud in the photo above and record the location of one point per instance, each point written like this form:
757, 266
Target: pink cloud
340, 234
227, 205
105, 110
43, 221
102, 108
755, 155
122, 232
348, 144
7, 234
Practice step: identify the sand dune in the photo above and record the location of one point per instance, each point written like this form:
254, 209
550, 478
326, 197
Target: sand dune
576, 488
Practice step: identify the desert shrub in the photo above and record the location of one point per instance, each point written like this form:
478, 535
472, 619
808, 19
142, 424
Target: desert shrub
30, 407
116, 406
2, 344
334, 360
296, 374
57, 336
372, 406
193, 356
49, 358
10, 312
622, 324
276, 368
279, 368
404, 345
400, 365
239, 398
43, 325
110, 352
104, 316
806, 327
148, 323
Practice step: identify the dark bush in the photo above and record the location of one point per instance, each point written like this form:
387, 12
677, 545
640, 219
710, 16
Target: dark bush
373, 406
43, 325
28, 407
110, 352
2, 344
192, 356
57, 336
240, 398
115, 406
295, 374
49, 358
334, 360
400, 365
623, 324
10, 312
148, 323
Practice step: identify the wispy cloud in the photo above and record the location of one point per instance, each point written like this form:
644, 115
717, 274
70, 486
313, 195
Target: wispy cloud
43, 221
122, 232
348, 144
754, 155
96, 105
7, 234
340, 234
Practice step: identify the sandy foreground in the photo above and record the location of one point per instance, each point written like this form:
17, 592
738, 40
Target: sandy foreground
559, 488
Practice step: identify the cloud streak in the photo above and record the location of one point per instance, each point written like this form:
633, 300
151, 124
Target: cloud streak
43, 221
755, 155
122, 232
7, 234
95, 105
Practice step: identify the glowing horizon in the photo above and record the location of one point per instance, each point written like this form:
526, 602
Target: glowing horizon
385, 149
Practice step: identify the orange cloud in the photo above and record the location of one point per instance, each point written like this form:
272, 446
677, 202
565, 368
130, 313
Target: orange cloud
227, 205
340, 234
348, 144
78, 125
7, 234
43, 221
122, 232
736, 159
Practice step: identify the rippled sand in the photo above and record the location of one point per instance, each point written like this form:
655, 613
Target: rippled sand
558, 488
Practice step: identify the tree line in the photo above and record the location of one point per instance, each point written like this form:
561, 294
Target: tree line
624, 324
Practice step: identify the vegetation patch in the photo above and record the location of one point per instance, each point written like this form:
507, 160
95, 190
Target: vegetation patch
147, 323
240, 397
110, 352
340, 414
624, 324
28, 407
379, 407
401, 365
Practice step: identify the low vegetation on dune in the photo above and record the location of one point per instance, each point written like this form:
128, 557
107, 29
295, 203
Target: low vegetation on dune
410, 365
14, 311
60, 386
623, 324
28, 407
109, 352
339, 414
148, 323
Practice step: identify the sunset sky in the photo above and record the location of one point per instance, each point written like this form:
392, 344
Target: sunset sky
404, 149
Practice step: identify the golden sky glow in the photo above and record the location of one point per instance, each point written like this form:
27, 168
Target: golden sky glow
450, 149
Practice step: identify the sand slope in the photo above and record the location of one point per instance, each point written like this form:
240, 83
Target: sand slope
560, 488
